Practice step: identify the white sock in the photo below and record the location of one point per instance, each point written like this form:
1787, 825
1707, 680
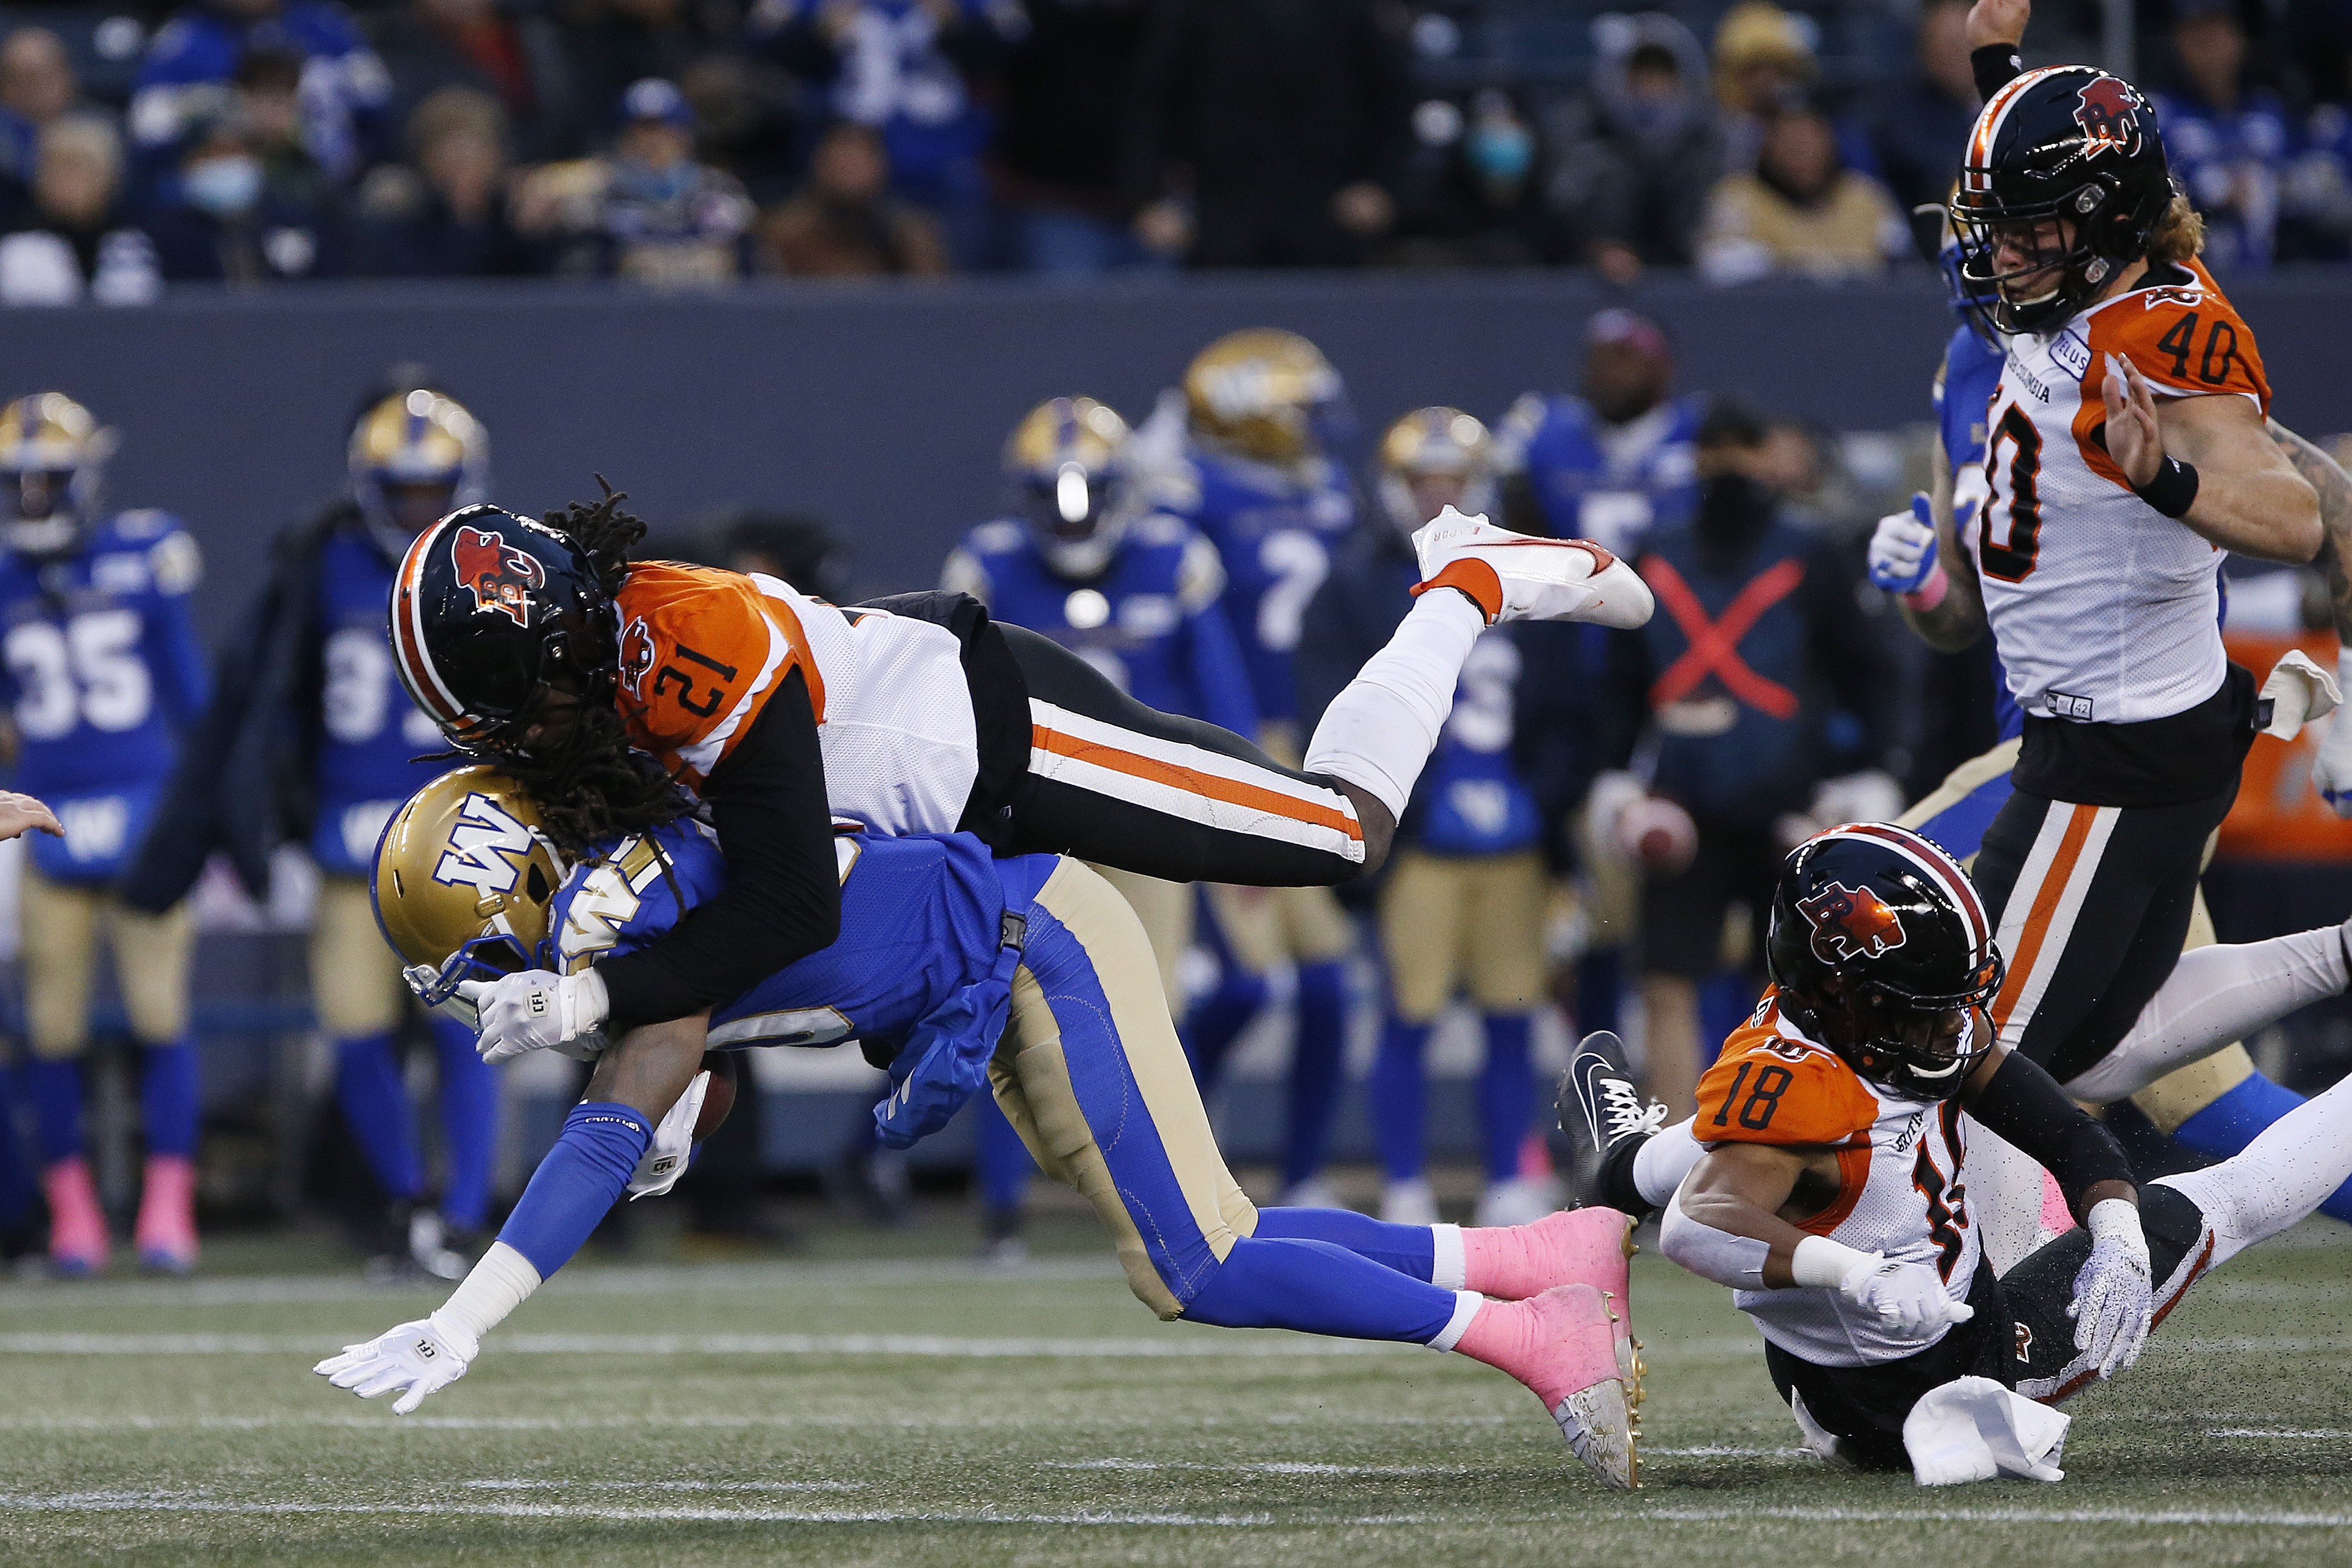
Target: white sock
1661, 1162
2215, 996
1383, 726
500, 1283
1465, 1306
1449, 1264
2285, 1174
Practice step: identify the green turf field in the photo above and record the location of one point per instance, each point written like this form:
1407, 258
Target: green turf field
924, 1412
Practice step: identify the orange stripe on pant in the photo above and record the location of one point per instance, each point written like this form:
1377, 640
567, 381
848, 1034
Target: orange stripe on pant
2046, 898
1192, 780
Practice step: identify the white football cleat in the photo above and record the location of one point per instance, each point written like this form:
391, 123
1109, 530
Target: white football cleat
1519, 577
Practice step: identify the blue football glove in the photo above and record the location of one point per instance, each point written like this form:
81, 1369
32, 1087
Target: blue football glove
1902, 548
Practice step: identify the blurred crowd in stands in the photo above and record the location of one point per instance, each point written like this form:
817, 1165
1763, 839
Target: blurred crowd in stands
702, 141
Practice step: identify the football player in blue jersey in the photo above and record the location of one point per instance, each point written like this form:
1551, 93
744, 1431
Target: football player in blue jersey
103, 673
314, 740
1134, 591
1026, 975
1462, 906
1611, 464
1259, 479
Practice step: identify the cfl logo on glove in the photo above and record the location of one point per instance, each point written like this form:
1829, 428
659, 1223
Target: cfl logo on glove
1850, 923
538, 1003
426, 1349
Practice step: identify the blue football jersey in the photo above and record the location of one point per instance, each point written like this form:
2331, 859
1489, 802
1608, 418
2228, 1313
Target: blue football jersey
919, 921
1964, 392
1153, 623
1472, 798
103, 670
1275, 529
1611, 486
371, 728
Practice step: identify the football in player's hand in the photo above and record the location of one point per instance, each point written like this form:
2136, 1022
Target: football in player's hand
1659, 834
720, 1097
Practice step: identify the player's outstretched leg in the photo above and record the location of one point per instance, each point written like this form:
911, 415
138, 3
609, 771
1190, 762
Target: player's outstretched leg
1092, 1076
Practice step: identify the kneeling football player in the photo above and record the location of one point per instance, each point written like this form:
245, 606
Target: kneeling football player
1833, 1195
1028, 973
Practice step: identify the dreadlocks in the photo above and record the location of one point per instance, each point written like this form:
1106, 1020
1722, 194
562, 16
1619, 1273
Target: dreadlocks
603, 531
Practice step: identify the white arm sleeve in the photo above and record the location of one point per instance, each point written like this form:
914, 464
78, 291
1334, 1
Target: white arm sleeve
1661, 1162
1717, 1255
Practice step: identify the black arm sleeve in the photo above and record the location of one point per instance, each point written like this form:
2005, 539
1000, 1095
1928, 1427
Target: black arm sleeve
2024, 1104
783, 898
1996, 65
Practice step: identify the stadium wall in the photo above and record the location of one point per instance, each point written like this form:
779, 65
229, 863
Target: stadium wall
881, 407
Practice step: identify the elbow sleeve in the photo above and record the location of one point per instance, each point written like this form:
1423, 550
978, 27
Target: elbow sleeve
1711, 1254
2022, 1103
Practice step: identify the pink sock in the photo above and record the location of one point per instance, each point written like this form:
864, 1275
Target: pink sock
77, 1224
167, 1210
1575, 1247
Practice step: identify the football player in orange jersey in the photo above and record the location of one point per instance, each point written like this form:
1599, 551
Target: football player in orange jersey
597, 680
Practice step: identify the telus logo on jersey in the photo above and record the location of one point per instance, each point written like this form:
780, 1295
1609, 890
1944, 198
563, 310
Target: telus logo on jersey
2107, 109
499, 577
488, 848
1850, 923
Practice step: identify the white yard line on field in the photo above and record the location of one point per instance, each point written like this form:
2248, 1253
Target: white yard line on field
165, 1503
1187, 1345
2235, 1518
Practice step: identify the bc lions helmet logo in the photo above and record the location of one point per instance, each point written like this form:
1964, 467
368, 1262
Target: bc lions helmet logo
1850, 923
2107, 109
499, 577
637, 656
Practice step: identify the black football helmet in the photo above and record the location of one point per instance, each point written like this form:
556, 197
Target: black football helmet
1877, 940
2068, 146
489, 610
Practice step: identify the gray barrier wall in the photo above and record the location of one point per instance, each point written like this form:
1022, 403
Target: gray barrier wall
882, 406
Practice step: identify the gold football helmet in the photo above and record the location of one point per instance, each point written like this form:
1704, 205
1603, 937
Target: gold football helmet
1256, 393
416, 458
1432, 458
465, 882
1064, 463
52, 449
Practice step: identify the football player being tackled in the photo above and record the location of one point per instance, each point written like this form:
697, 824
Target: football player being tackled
542, 645
1834, 1192
1027, 975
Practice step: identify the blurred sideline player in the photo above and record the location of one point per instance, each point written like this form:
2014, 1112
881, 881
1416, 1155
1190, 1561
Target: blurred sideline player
1724, 701
1025, 976
103, 676
313, 735
1463, 903
1135, 592
1261, 407
1617, 459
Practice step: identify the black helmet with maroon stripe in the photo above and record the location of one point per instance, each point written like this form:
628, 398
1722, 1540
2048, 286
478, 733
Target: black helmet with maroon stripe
2063, 145
1882, 952
489, 609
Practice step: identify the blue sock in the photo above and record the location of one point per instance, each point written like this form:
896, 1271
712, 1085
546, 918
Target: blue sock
1318, 1289
54, 1085
469, 1124
1600, 988
168, 1099
1217, 1020
1317, 1068
1407, 1248
1507, 1092
1000, 1159
577, 1184
375, 1107
2225, 1127
1399, 1090
18, 1182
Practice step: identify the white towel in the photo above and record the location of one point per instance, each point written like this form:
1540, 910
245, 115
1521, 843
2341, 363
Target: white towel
1973, 1429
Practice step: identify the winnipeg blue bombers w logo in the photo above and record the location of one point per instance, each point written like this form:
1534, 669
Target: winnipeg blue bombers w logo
488, 848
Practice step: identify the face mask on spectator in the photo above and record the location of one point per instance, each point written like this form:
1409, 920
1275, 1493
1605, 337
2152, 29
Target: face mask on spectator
1501, 151
226, 186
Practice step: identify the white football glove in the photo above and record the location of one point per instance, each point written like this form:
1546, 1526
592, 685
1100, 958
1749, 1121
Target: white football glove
2114, 1299
1908, 1297
538, 1010
2331, 775
1903, 548
420, 1357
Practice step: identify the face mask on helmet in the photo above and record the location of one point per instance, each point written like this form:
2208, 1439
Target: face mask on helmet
41, 518
1432, 458
1075, 516
1924, 1048
414, 457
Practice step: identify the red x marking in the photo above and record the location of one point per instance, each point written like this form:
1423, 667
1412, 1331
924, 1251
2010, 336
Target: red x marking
1715, 644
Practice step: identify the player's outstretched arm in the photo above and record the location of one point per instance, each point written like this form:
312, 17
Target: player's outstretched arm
2210, 462
21, 813
635, 1085
1726, 1226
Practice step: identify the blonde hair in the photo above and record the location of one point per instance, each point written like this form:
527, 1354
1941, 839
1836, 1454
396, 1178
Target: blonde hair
2179, 234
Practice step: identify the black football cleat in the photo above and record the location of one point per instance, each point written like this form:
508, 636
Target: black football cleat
1599, 1101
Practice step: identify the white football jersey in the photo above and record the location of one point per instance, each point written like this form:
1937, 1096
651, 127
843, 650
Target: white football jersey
2106, 611
1901, 1188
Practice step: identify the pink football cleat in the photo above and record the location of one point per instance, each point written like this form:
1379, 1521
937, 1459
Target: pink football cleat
77, 1224
1562, 1344
166, 1234
1520, 578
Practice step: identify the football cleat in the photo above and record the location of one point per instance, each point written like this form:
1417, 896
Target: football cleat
1562, 1345
1409, 1202
1596, 1101
77, 1240
166, 1232
1519, 577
